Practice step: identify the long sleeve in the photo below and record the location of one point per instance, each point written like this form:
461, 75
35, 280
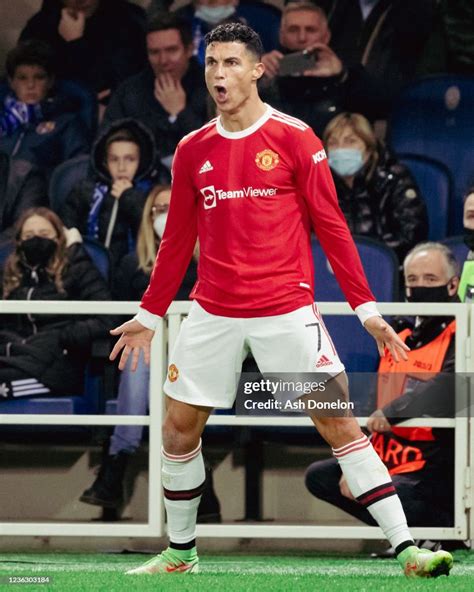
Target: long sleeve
316, 185
179, 239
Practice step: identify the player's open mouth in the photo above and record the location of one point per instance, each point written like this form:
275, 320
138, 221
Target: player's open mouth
221, 93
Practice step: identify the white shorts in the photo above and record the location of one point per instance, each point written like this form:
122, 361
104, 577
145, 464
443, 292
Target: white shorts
206, 361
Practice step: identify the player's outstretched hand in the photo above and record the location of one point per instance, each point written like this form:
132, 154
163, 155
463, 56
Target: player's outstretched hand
386, 337
133, 338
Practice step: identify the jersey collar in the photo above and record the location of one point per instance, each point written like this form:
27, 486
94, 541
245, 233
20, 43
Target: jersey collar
247, 131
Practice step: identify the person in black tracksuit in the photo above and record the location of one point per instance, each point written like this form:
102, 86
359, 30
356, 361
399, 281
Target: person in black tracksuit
108, 206
45, 353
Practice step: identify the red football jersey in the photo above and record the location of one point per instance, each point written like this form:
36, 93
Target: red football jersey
252, 198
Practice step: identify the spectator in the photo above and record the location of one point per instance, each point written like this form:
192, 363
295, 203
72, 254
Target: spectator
204, 15
420, 460
36, 123
97, 42
43, 354
386, 36
450, 47
169, 96
377, 194
107, 489
135, 268
329, 87
466, 285
22, 186
108, 207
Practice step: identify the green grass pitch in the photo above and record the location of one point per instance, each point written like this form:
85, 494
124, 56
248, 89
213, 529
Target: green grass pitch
225, 573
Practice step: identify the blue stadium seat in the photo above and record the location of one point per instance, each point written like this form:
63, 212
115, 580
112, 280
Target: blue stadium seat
458, 247
99, 255
65, 176
433, 117
434, 181
359, 353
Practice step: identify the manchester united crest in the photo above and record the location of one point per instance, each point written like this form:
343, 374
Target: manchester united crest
267, 160
173, 373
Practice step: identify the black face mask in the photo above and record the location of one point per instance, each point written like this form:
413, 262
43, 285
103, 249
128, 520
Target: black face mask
469, 238
431, 294
38, 250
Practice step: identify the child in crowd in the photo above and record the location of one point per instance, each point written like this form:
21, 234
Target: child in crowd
109, 205
38, 124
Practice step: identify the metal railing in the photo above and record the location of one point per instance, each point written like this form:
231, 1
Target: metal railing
164, 340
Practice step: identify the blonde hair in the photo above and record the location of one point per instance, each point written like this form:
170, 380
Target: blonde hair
361, 127
13, 271
147, 241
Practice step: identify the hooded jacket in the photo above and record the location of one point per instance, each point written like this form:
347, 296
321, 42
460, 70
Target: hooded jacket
58, 136
76, 208
111, 49
22, 186
55, 349
385, 204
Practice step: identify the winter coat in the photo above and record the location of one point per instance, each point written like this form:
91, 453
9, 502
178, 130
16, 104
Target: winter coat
55, 348
135, 98
76, 208
22, 186
388, 43
111, 49
59, 136
132, 282
384, 204
317, 99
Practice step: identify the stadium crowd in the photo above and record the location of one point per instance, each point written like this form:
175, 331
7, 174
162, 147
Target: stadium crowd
104, 80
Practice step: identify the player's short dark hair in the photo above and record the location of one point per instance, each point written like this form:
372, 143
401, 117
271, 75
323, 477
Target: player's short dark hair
31, 53
163, 21
229, 32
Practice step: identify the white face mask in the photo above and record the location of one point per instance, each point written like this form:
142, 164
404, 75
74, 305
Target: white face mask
214, 14
159, 224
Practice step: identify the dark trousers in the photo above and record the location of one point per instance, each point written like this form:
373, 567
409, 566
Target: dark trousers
425, 503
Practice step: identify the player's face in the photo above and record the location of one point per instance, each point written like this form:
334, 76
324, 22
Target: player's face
30, 84
167, 53
468, 220
302, 28
231, 75
123, 159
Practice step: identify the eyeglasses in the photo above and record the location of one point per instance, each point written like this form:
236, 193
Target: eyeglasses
159, 209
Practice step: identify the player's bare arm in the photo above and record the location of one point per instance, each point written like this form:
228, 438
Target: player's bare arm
134, 337
386, 337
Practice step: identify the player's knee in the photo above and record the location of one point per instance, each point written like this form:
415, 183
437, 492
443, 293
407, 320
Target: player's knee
338, 431
179, 437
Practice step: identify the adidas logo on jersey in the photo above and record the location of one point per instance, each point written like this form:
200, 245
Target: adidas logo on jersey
206, 167
323, 361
